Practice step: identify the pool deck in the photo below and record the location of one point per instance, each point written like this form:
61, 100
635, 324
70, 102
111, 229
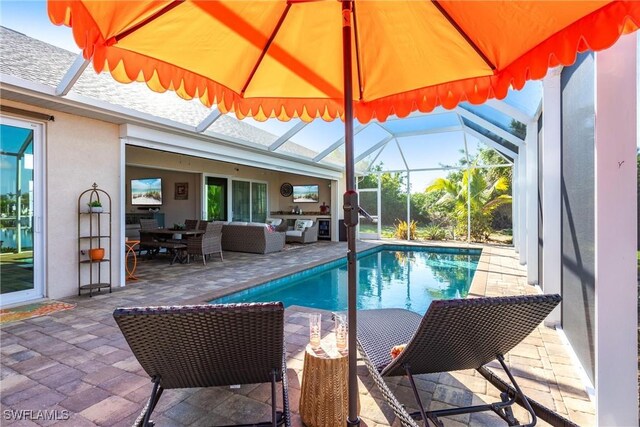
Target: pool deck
78, 361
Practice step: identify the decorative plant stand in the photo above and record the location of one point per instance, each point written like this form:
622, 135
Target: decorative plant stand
94, 233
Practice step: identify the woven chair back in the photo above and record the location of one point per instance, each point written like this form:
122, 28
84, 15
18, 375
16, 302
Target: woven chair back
469, 333
213, 229
191, 224
148, 224
206, 345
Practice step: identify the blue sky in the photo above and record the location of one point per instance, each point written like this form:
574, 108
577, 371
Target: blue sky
30, 18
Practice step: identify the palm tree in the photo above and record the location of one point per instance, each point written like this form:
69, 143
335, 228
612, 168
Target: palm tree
485, 198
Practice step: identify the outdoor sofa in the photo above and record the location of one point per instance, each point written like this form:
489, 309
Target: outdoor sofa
253, 237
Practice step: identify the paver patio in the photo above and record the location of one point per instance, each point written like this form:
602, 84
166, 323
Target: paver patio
77, 361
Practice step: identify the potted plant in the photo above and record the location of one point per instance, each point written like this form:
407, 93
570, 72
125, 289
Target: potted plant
95, 206
96, 254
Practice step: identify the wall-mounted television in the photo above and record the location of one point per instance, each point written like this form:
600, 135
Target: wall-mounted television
146, 192
306, 194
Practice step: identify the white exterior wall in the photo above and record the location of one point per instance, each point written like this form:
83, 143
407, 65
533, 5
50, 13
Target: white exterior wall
79, 152
616, 298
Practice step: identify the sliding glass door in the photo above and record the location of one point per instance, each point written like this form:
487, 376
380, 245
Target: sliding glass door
241, 201
21, 275
249, 201
258, 202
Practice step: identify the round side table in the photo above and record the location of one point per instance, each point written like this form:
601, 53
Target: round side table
324, 399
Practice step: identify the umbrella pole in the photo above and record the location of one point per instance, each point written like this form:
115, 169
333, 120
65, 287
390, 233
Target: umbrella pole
350, 212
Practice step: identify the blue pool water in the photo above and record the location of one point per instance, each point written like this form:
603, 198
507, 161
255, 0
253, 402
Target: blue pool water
390, 277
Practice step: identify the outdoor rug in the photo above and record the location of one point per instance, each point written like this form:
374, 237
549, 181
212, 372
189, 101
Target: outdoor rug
33, 310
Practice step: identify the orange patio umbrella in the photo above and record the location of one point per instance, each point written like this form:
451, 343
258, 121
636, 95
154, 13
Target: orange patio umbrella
334, 59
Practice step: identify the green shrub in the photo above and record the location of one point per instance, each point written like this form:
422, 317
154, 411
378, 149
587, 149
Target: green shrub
480, 226
401, 229
434, 232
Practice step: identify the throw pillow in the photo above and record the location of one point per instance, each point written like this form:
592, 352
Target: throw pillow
396, 350
300, 225
274, 221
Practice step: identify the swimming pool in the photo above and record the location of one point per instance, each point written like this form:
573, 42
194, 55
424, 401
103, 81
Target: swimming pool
388, 277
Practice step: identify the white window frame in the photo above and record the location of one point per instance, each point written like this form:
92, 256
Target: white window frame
39, 223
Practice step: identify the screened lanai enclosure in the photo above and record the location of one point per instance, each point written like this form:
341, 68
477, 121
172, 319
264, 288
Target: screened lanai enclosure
434, 177
444, 175
449, 174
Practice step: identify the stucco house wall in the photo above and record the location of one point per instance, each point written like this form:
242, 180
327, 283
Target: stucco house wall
165, 164
78, 152
285, 203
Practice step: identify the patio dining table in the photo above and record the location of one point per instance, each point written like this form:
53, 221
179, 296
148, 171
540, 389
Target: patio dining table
164, 234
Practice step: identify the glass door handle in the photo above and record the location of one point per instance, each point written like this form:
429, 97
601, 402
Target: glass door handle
37, 224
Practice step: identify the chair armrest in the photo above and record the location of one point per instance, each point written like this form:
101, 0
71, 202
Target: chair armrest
313, 230
283, 226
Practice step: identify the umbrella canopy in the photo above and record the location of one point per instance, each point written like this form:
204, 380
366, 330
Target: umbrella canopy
335, 59
277, 58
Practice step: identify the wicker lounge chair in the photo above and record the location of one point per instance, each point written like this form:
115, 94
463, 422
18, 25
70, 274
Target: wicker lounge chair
453, 335
207, 346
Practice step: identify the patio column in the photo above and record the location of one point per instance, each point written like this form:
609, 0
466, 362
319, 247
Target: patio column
522, 204
551, 213
408, 205
18, 205
515, 223
335, 209
379, 206
532, 203
616, 298
122, 170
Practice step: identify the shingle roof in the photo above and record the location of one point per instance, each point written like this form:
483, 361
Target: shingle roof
33, 60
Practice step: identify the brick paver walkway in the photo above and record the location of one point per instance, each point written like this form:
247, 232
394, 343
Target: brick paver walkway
77, 362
